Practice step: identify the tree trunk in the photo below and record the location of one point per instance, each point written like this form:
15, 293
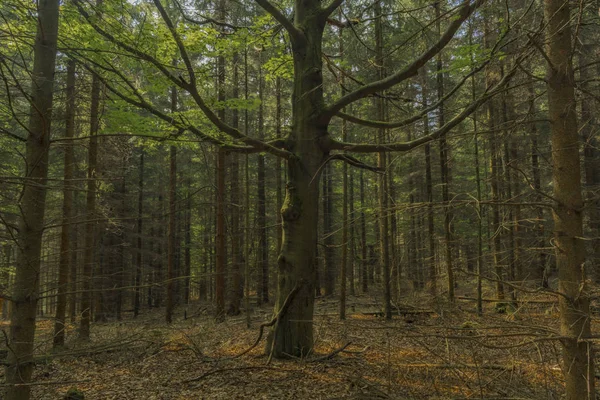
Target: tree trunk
578, 356
432, 276
263, 244
292, 335
236, 289
33, 201
138, 267
67, 217
90, 214
445, 168
384, 247
171, 236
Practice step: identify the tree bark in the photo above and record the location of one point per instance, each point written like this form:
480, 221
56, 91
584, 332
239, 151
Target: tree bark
67, 217
139, 258
578, 356
31, 225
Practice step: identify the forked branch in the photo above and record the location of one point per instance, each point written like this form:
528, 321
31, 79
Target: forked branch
409, 71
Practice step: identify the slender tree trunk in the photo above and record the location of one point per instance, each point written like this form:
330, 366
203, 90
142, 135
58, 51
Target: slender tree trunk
578, 356
432, 276
364, 265
236, 291
445, 168
382, 164
539, 270
25, 290
221, 257
90, 214
171, 236
247, 200
492, 77
188, 238
139, 258
328, 233
67, 218
74, 263
344, 266
263, 244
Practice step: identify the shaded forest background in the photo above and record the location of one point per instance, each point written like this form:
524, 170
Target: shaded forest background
151, 204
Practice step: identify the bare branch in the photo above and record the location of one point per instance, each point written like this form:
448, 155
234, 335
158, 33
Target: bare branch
405, 146
327, 11
12, 135
414, 118
409, 71
180, 46
355, 162
295, 34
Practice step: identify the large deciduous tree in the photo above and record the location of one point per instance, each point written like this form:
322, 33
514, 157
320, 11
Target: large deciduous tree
307, 148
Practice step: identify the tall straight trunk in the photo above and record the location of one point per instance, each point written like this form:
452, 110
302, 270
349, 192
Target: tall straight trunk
578, 356
344, 266
364, 265
328, 233
158, 291
395, 265
432, 276
139, 258
90, 214
590, 130
118, 280
247, 200
172, 234
382, 165
445, 168
492, 77
538, 269
236, 289
263, 244
478, 181
74, 263
278, 162
188, 239
33, 200
67, 217
509, 174
221, 255
352, 232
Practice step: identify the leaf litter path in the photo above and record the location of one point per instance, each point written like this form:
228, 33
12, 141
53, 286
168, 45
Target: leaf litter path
446, 354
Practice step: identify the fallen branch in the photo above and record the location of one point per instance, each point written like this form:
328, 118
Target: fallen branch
458, 366
217, 371
47, 383
332, 354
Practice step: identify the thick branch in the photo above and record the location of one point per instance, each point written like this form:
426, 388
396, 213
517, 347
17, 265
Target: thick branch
296, 34
414, 118
12, 135
189, 87
180, 46
327, 11
354, 162
405, 146
409, 71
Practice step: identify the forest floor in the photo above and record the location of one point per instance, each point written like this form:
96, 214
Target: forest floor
431, 351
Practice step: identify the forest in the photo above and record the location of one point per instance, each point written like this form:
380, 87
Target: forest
303, 199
